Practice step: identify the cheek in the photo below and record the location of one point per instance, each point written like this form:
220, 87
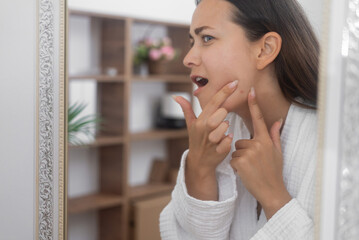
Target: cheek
234, 103
237, 101
225, 66
239, 62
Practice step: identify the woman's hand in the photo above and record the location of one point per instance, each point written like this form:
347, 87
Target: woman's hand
208, 144
259, 162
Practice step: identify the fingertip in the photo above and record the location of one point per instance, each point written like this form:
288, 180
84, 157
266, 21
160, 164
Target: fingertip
181, 101
280, 123
250, 96
174, 98
276, 129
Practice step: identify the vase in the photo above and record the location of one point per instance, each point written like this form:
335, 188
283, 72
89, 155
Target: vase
141, 69
157, 67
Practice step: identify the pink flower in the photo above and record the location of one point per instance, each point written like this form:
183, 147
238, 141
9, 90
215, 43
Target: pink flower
155, 54
168, 51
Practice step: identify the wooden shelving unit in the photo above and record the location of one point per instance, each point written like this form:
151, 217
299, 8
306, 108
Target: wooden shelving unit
168, 78
94, 202
102, 141
115, 196
149, 189
159, 134
162, 78
99, 78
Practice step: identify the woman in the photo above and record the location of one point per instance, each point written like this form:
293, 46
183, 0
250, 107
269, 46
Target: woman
249, 172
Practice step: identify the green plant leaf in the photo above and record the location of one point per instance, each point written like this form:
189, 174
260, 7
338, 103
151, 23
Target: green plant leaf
83, 125
75, 110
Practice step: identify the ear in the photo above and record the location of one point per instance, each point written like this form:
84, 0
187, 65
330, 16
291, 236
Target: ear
269, 47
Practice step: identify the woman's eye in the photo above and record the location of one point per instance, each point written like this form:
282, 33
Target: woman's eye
206, 38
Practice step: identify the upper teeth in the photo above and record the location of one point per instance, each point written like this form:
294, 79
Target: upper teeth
198, 79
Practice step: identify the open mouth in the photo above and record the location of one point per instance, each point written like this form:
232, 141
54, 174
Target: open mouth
200, 81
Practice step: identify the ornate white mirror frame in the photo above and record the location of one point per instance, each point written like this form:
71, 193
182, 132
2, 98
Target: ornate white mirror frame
51, 120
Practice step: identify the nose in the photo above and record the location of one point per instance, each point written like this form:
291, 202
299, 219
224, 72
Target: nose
192, 58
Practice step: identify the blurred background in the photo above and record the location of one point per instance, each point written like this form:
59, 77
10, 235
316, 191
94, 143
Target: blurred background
127, 135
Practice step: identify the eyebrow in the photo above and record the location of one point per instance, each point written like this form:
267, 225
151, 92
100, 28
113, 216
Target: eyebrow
199, 30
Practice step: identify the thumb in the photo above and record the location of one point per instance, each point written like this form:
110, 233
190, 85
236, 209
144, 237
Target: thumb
186, 108
275, 134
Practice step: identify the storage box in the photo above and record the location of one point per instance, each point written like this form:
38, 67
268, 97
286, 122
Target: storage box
146, 214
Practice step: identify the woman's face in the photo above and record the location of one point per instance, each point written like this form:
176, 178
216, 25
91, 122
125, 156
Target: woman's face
220, 53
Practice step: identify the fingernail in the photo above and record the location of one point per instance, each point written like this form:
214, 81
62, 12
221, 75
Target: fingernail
253, 93
230, 135
281, 122
174, 97
233, 84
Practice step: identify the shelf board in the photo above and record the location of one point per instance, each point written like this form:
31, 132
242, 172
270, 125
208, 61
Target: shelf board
102, 141
159, 134
93, 202
85, 13
148, 135
99, 78
170, 78
149, 189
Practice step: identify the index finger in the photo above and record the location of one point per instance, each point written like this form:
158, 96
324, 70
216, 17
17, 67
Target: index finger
187, 109
219, 98
259, 125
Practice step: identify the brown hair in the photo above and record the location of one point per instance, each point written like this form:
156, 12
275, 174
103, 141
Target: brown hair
297, 64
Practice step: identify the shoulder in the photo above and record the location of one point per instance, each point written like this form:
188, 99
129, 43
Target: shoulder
304, 114
300, 130
304, 118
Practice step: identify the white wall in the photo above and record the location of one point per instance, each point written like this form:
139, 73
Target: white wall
167, 10
314, 9
17, 122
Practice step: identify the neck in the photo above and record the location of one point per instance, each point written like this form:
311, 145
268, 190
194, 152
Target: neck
273, 104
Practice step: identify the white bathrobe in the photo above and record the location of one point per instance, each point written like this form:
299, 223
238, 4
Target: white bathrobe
234, 215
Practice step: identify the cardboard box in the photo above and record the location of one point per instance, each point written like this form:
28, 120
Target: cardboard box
159, 171
146, 217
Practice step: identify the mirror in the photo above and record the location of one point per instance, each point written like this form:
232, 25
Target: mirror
111, 176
